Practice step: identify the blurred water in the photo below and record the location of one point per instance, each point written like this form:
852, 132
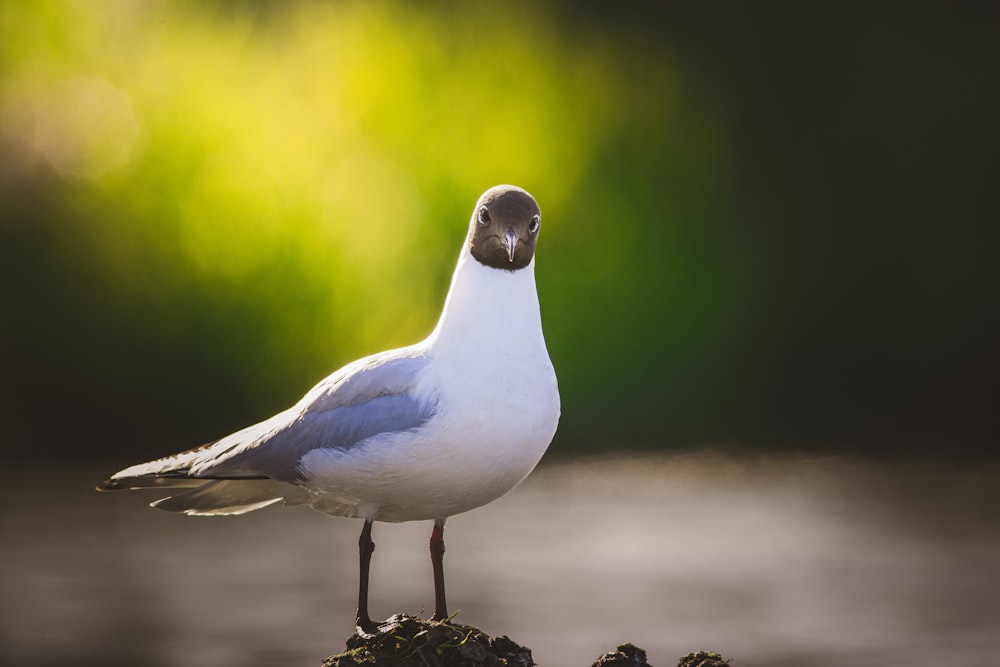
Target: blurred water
768, 561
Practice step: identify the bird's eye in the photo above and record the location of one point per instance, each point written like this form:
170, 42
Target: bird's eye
536, 221
484, 216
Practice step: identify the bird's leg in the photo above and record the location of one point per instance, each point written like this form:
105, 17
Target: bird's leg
365, 548
437, 561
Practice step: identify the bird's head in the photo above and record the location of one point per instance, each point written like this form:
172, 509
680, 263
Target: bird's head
504, 228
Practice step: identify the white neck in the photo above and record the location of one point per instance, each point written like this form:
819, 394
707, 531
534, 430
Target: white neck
487, 306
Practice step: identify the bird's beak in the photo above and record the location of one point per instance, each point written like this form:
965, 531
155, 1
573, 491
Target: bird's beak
510, 242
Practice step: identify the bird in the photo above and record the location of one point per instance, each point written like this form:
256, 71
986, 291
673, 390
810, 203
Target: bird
418, 433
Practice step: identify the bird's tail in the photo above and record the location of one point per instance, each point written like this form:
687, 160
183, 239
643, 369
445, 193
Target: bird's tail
213, 497
165, 481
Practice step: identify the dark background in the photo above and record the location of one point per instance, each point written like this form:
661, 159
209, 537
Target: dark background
768, 227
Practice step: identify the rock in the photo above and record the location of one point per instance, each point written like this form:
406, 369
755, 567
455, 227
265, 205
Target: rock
628, 655
625, 655
405, 641
703, 659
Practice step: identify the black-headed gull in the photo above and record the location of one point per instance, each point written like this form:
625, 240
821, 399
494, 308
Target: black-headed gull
421, 432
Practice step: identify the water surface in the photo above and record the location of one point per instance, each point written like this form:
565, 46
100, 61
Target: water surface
771, 562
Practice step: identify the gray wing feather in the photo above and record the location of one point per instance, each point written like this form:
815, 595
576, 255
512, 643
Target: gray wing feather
371, 396
367, 398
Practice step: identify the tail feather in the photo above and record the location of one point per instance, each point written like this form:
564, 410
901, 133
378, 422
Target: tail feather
202, 493
149, 482
231, 497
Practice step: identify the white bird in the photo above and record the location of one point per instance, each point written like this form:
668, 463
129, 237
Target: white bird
417, 433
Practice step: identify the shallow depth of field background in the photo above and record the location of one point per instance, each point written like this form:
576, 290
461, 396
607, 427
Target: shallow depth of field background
768, 253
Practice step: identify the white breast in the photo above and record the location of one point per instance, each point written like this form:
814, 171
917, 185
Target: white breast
498, 408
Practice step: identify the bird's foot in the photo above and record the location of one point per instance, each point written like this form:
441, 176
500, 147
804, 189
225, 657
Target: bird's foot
366, 627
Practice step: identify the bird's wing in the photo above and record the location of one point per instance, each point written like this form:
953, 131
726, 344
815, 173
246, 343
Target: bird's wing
371, 396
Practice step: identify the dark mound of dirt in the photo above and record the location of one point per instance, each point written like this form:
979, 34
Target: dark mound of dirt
628, 655
405, 641
703, 659
625, 655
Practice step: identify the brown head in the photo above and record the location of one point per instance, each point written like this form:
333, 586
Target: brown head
504, 228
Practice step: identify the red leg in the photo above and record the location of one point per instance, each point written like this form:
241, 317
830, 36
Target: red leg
437, 561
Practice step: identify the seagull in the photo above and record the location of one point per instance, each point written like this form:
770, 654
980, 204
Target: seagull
418, 433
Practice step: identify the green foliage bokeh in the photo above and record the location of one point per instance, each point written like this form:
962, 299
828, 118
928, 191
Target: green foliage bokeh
210, 206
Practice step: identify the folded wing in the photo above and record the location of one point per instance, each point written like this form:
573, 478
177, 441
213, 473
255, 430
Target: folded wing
259, 465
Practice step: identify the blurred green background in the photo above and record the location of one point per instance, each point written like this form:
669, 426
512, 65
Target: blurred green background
765, 227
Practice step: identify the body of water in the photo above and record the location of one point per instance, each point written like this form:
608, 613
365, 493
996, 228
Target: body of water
769, 561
